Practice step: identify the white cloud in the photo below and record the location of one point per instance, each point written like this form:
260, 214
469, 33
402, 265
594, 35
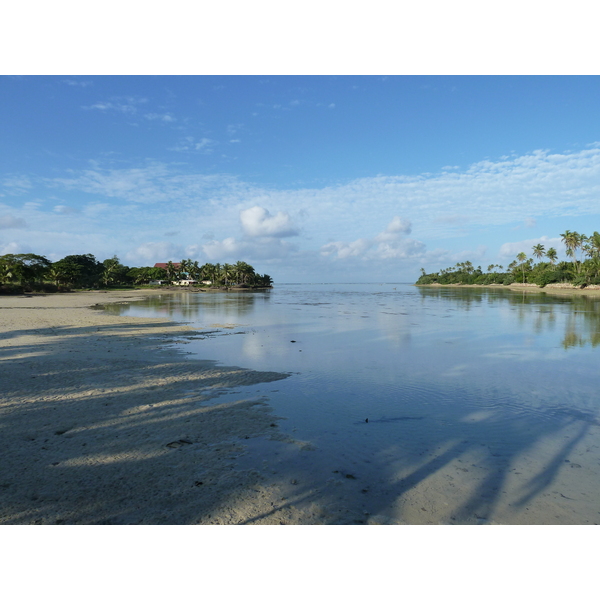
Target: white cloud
138, 185
122, 104
485, 194
258, 222
189, 144
347, 249
152, 252
511, 249
10, 222
262, 239
248, 249
396, 227
33, 205
167, 117
14, 248
472, 255
451, 219
73, 82
390, 243
204, 144
407, 248
63, 209
233, 129
227, 248
17, 184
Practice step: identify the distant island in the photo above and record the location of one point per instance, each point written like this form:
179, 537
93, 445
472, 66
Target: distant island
32, 272
583, 270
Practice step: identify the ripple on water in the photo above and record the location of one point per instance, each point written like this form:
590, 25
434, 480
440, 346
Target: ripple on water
497, 386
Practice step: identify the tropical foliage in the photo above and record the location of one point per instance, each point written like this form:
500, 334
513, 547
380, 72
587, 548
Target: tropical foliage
582, 270
20, 272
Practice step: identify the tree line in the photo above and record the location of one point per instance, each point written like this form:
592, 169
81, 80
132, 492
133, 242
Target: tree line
34, 272
583, 269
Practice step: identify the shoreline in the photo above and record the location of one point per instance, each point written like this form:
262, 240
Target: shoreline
551, 288
106, 421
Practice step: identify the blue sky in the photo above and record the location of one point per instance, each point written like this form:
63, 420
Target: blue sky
308, 178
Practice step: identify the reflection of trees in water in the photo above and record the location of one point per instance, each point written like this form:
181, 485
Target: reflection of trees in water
190, 305
582, 313
582, 328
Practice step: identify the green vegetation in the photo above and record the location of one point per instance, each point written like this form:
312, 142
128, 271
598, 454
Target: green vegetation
583, 270
31, 272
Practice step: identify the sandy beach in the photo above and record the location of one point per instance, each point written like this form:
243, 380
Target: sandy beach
551, 288
106, 420
109, 419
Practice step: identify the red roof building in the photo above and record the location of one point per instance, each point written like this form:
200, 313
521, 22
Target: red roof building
164, 265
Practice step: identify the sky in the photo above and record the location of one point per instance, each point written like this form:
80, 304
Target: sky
307, 178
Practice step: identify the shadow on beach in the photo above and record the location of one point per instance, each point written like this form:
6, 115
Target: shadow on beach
107, 425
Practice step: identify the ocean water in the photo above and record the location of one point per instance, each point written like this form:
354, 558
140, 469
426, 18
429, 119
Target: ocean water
416, 405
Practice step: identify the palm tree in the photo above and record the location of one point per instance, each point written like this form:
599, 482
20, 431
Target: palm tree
244, 271
592, 267
592, 248
217, 273
573, 241
207, 271
538, 251
552, 254
521, 257
228, 272
267, 281
171, 272
194, 269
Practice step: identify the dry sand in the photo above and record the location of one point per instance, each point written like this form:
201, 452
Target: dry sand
104, 421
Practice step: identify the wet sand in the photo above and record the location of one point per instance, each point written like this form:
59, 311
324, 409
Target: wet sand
106, 420
551, 288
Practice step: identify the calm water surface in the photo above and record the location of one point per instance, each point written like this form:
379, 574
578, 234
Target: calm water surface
482, 404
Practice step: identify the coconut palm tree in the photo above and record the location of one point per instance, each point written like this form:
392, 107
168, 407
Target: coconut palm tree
171, 272
538, 251
207, 271
228, 272
552, 254
194, 269
244, 271
183, 268
266, 280
592, 247
573, 242
217, 273
522, 257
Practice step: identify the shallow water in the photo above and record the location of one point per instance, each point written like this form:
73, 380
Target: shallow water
482, 404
